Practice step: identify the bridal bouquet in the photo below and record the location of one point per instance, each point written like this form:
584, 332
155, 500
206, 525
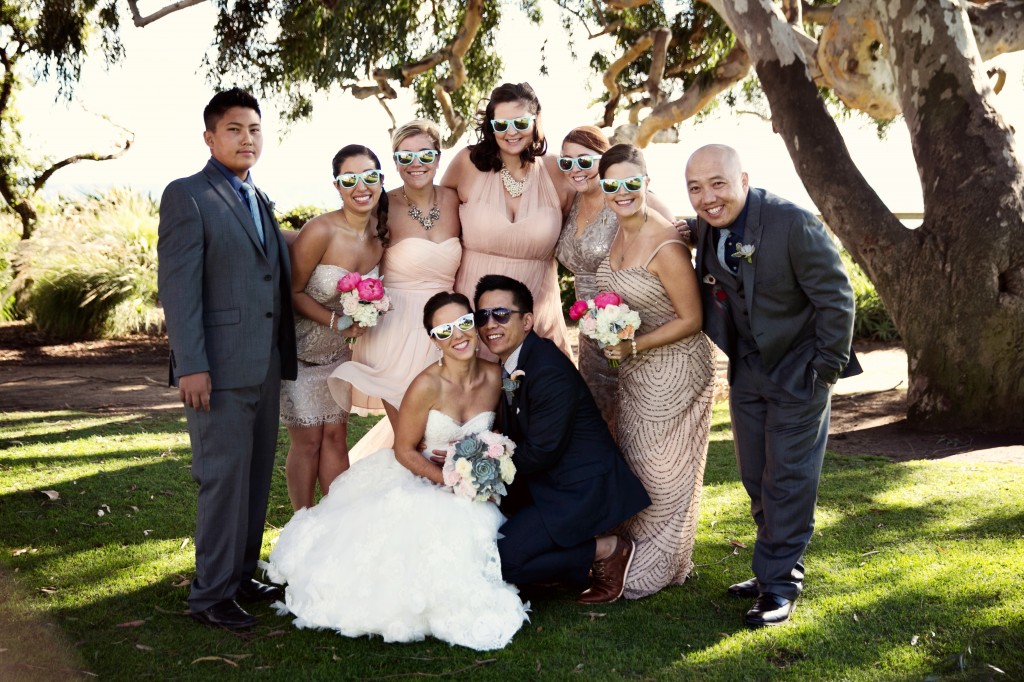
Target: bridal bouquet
606, 320
479, 465
363, 299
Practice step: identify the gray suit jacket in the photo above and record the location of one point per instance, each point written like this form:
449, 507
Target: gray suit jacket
217, 285
796, 291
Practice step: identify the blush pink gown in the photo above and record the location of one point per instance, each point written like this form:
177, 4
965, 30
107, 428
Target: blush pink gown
520, 246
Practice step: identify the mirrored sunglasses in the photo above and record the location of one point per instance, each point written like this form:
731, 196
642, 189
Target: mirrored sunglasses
522, 124
424, 156
443, 332
633, 184
585, 162
500, 315
349, 180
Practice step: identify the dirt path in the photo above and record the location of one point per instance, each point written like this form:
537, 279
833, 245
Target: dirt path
868, 411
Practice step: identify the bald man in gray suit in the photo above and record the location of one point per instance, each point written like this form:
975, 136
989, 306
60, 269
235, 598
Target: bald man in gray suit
225, 286
777, 301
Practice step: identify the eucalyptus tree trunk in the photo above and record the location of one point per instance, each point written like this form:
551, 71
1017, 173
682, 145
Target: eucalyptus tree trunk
954, 286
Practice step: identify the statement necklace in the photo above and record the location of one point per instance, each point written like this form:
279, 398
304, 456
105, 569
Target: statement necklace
427, 221
512, 186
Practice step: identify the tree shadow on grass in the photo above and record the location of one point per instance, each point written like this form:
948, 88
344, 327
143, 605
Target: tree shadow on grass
59, 429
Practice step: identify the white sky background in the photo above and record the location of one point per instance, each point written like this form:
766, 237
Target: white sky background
159, 91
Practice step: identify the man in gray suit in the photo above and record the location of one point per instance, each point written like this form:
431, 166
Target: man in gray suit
225, 284
777, 301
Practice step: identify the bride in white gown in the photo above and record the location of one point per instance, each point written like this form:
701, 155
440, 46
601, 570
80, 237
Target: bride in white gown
390, 550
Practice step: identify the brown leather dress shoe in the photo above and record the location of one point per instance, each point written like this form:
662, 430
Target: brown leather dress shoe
608, 576
225, 614
770, 609
253, 590
748, 589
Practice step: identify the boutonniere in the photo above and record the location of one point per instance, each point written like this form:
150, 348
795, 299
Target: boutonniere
511, 383
745, 251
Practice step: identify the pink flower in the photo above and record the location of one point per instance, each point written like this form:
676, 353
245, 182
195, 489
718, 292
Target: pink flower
494, 451
578, 310
349, 281
607, 298
516, 374
370, 289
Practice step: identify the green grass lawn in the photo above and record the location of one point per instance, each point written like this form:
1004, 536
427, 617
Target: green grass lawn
916, 572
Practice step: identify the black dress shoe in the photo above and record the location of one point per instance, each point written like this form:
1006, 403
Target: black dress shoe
748, 589
225, 614
253, 590
770, 609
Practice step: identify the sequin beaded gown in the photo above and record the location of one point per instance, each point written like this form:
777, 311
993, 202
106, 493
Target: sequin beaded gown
307, 400
520, 246
389, 553
581, 255
665, 399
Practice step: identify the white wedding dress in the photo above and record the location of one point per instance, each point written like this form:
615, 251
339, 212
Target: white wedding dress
390, 553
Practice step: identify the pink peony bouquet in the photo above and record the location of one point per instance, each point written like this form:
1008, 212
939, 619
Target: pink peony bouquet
606, 320
363, 299
479, 466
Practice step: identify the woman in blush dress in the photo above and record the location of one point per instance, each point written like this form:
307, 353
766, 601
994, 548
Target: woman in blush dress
512, 205
587, 234
350, 239
666, 376
420, 261
391, 551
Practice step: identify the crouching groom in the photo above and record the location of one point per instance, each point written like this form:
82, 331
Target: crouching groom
572, 483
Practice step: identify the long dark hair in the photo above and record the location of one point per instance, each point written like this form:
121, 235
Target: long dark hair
485, 154
347, 152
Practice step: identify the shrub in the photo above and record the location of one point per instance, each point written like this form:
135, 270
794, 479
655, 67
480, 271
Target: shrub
90, 269
298, 216
10, 235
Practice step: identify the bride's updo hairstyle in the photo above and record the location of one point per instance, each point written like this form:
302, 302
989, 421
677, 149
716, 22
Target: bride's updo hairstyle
349, 151
484, 154
440, 300
621, 153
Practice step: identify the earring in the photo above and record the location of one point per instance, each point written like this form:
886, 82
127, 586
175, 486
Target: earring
440, 356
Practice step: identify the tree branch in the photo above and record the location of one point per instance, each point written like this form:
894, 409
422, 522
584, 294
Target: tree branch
998, 26
460, 45
642, 44
705, 88
142, 21
659, 51
41, 179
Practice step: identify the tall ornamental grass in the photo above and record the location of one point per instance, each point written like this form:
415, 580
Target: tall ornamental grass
10, 234
90, 268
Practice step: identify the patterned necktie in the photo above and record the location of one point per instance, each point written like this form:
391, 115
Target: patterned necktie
507, 385
254, 209
727, 250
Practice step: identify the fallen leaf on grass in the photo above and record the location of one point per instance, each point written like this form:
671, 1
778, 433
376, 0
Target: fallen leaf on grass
51, 495
48, 590
238, 657
184, 544
737, 543
23, 550
147, 532
913, 641
992, 667
143, 647
275, 633
182, 581
215, 658
131, 624
874, 551
133, 507
594, 615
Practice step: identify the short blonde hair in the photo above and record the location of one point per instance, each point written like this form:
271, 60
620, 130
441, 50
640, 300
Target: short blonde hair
416, 127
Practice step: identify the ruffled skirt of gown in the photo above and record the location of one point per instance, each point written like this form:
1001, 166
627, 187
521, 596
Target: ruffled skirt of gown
390, 553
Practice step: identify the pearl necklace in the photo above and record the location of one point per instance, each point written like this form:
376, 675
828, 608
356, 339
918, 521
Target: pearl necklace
512, 186
427, 221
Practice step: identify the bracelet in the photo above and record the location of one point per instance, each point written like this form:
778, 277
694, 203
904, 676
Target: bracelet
633, 343
330, 324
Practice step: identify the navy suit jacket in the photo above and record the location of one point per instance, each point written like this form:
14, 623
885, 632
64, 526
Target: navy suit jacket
565, 456
797, 295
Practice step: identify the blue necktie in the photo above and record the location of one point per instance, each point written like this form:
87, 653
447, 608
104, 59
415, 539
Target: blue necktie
506, 385
727, 250
254, 209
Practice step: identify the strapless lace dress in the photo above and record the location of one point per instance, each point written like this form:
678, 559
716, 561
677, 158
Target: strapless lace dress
390, 553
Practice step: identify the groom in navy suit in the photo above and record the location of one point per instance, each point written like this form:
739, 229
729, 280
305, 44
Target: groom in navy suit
571, 483
777, 301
